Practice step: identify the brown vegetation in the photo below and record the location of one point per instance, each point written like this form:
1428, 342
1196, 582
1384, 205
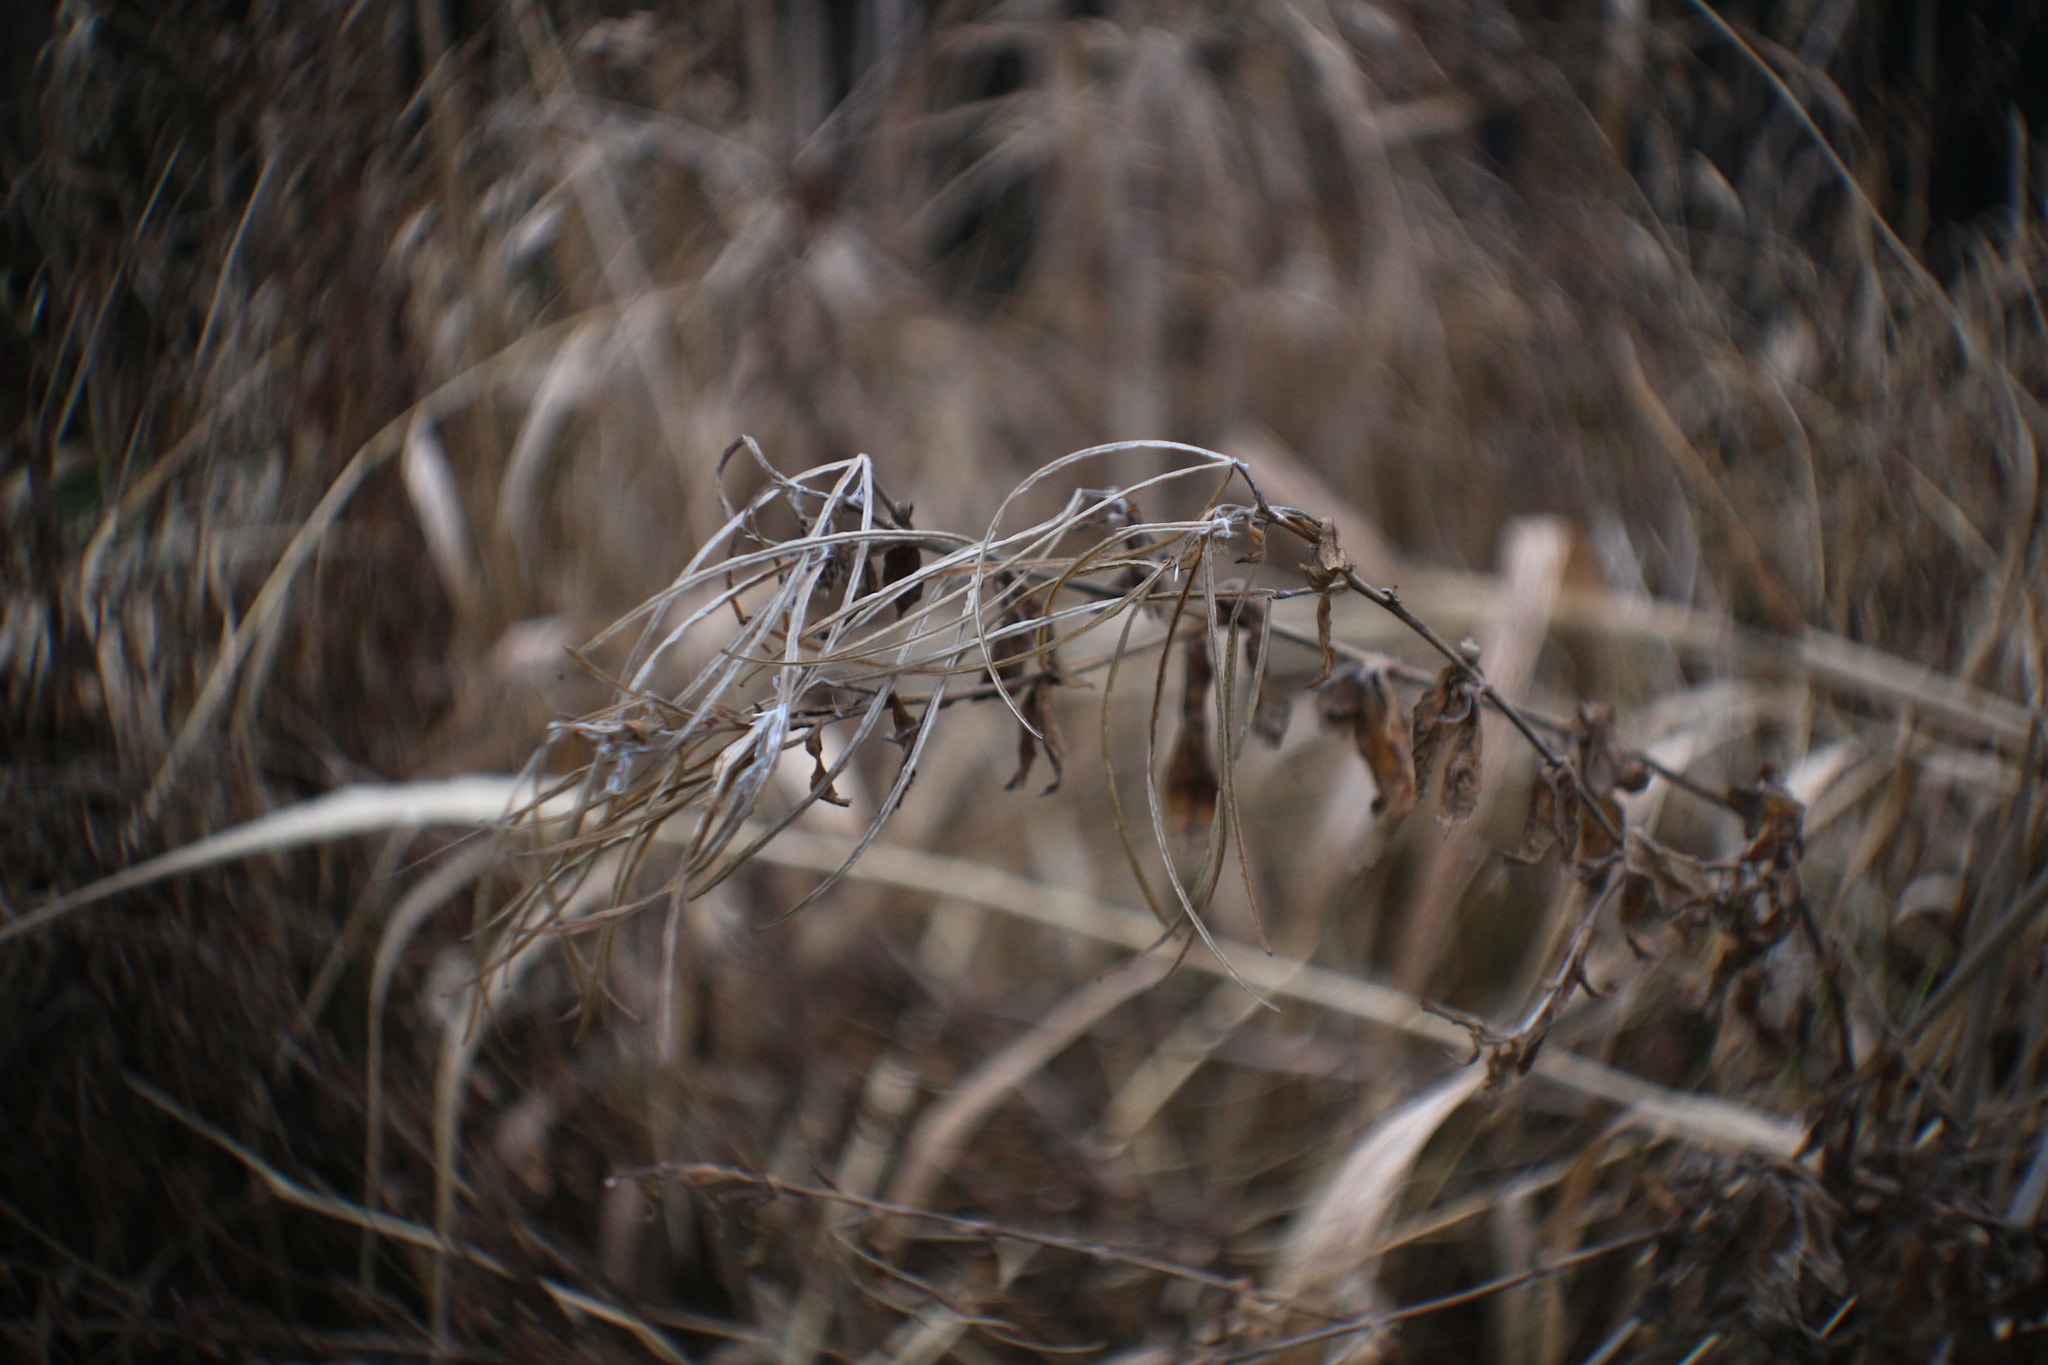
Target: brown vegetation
381, 376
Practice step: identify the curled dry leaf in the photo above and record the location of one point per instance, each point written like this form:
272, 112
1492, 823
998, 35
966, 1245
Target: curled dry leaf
1360, 697
1773, 820
1558, 812
899, 562
821, 780
1604, 766
1444, 704
1461, 771
1190, 781
1765, 895
1595, 846
1654, 876
1553, 804
1329, 563
1273, 706
1638, 900
1325, 570
1682, 881
1041, 725
1008, 649
1254, 533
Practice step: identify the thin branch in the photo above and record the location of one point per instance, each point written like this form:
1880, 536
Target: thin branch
703, 1175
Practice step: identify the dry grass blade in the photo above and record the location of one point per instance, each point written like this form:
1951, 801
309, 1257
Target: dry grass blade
1326, 1260
254, 638
479, 802
944, 1129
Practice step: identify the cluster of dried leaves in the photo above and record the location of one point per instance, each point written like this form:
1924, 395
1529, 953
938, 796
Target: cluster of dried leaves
852, 617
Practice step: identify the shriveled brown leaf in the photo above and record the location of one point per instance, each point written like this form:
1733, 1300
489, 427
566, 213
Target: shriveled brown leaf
1602, 766
1273, 706
1553, 801
1594, 844
821, 780
1190, 781
1007, 651
1361, 698
1323, 636
1461, 771
1254, 532
1328, 564
1443, 706
1773, 820
1041, 717
899, 562
905, 723
1191, 786
1325, 570
1682, 882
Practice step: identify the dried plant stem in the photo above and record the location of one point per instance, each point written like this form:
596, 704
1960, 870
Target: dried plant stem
482, 801
706, 1176
1371, 1322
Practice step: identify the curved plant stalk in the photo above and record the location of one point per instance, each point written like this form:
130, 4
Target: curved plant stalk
843, 614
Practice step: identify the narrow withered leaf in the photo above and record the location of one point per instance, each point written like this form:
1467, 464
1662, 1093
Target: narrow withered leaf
1195, 677
1323, 637
1276, 708
1440, 712
1027, 751
1682, 882
821, 780
1604, 766
1429, 709
1040, 715
1772, 819
1273, 706
1329, 563
1325, 570
1594, 843
1190, 781
906, 724
1540, 824
1461, 771
1254, 533
1007, 650
1360, 697
901, 561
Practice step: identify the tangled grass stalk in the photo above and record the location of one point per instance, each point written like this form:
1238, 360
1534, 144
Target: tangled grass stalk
820, 618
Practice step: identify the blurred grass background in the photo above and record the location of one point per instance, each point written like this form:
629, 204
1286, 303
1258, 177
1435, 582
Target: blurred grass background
361, 359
